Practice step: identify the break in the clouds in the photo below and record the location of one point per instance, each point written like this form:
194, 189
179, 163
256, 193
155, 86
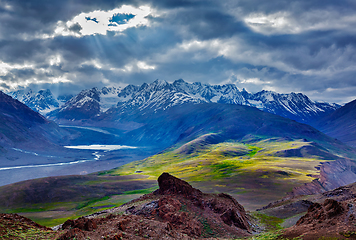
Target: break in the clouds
102, 22
300, 46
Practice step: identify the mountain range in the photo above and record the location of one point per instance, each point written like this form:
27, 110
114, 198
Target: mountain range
159, 95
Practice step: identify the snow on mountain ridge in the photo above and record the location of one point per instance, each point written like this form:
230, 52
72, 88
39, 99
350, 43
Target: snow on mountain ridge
43, 101
162, 95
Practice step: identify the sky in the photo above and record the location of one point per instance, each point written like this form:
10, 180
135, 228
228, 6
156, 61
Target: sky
306, 46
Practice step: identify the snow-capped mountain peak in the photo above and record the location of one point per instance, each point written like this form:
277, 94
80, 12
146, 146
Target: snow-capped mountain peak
43, 101
160, 95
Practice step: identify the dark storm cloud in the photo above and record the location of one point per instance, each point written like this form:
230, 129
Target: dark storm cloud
76, 28
209, 23
296, 7
177, 4
280, 45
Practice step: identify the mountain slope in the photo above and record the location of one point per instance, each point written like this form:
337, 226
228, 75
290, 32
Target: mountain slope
88, 103
188, 121
340, 124
160, 95
21, 126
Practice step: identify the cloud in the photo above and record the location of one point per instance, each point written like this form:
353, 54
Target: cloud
101, 22
287, 23
301, 46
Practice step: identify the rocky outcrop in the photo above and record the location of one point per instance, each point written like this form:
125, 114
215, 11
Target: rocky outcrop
230, 211
82, 223
318, 213
169, 184
331, 218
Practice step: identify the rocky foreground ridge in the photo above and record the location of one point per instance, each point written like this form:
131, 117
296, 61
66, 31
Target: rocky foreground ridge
175, 211
178, 211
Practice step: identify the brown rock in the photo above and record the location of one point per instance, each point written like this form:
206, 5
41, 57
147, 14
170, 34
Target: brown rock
116, 237
169, 210
82, 223
321, 212
332, 207
74, 233
169, 184
232, 213
122, 224
232, 217
168, 205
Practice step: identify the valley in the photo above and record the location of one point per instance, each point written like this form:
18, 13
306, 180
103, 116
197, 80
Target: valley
255, 171
102, 162
96, 155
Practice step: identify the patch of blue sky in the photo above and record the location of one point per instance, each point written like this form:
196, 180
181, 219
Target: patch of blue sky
91, 19
121, 18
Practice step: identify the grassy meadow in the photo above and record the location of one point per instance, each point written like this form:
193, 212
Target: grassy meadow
255, 173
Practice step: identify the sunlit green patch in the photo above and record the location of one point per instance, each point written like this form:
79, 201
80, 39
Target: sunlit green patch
51, 222
253, 151
141, 191
267, 236
268, 222
41, 207
227, 167
91, 202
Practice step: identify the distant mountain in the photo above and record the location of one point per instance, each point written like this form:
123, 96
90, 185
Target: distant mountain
185, 122
340, 124
42, 101
161, 95
21, 126
88, 103
295, 106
